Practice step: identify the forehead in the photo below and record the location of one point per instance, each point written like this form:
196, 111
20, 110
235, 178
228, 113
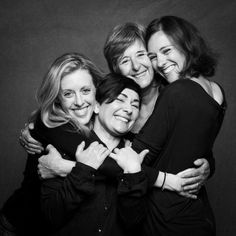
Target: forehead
77, 79
134, 48
130, 94
159, 40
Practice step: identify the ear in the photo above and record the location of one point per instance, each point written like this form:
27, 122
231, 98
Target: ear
96, 108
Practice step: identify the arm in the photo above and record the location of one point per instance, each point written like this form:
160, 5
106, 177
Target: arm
163, 121
31, 145
60, 197
132, 186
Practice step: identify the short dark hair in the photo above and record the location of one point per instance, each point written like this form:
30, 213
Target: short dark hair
119, 39
200, 59
112, 85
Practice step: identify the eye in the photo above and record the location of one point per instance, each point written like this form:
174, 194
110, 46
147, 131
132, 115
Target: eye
166, 51
135, 105
152, 56
125, 61
86, 91
68, 93
141, 54
120, 99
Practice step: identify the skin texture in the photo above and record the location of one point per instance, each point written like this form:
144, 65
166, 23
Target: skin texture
166, 58
78, 95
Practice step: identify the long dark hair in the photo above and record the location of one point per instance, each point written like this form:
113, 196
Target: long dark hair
200, 59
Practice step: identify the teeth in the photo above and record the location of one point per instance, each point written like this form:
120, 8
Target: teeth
122, 119
168, 69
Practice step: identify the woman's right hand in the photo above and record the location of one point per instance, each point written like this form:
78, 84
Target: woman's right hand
30, 145
93, 156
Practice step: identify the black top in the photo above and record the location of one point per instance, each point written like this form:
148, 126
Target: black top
183, 126
89, 202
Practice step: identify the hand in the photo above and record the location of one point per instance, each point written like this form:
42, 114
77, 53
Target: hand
93, 156
30, 145
128, 159
175, 183
52, 164
195, 178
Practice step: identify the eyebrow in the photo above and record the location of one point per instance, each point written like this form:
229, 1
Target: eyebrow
135, 100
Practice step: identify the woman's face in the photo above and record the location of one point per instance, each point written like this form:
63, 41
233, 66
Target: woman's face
78, 95
136, 65
118, 117
166, 58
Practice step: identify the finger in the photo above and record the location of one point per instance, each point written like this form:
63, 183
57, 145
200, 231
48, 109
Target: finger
188, 195
31, 125
51, 149
189, 173
193, 187
80, 148
193, 191
190, 181
116, 150
128, 143
200, 162
105, 154
94, 144
143, 154
113, 156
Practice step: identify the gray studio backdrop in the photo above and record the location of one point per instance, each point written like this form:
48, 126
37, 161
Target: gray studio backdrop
35, 32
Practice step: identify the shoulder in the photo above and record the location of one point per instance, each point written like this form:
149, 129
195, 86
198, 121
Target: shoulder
218, 92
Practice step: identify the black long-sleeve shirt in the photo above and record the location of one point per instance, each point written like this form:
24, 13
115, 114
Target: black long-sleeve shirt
89, 201
183, 126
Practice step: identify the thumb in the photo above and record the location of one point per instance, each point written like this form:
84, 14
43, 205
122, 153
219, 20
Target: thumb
127, 143
31, 125
80, 148
113, 156
50, 148
143, 154
198, 162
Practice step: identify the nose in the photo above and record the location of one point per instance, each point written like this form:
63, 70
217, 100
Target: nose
128, 108
161, 61
135, 64
79, 99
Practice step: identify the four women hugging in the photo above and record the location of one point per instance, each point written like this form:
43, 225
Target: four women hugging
96, 182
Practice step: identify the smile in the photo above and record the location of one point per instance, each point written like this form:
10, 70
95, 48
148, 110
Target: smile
141, 74
167, 69
121, 118
80, 110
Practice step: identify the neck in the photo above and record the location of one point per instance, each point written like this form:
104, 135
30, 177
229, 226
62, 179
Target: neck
149, 97
150, 93
110, 140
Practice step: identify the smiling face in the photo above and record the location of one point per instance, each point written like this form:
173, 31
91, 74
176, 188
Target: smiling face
166, 58
135, 64
118, 117
78, 95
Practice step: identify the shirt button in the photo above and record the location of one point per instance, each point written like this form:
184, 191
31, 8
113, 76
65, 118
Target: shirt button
106, 208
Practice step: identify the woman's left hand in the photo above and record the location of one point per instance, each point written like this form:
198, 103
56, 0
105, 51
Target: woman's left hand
128, 159
195, 178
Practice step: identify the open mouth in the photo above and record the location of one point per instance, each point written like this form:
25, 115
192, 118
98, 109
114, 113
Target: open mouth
80, 110
167, 69
121, 118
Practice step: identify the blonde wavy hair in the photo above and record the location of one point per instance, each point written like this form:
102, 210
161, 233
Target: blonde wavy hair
50, 109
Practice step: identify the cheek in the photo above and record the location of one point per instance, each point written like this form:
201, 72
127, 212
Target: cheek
124, 70
66, 103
